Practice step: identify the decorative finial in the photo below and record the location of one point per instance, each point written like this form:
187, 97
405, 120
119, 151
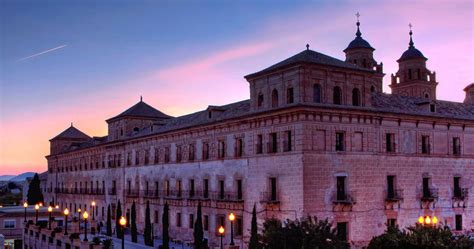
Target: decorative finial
411, 40
141, 98
72, 125
358, 33
307, 46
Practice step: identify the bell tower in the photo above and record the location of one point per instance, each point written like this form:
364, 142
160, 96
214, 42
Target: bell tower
413, 78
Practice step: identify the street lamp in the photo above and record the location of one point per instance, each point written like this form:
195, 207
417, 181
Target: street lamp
123, 223
79, 211
93, 210
37, 207
221, 232
25, 205
231, 218
66, 213
50, 210
85, 215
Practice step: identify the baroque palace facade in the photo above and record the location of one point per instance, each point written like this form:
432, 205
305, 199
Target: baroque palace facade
317, 137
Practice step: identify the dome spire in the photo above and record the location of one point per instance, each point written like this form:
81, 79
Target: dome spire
358, 33
411, 44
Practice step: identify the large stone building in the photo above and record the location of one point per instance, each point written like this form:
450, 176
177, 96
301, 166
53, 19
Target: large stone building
317, 137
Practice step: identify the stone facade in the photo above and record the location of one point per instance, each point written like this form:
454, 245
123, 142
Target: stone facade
317, 137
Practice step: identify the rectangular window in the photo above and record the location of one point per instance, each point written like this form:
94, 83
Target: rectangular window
191, 152
221, 153
191, 221
426, 187
342, 231
273, 143
220, 221
456, 146
339, 141
239, 190
178, 154
239, 231
221, 189
129, 187
239, 147
167, 187
205, 151
178, 188
457, 187
167, 154
157, 188
458, 225
273, 189
206, 188
147, 157
425, 145
391, 222
9, 224
157, 156
341, 188
191, 188
259, 145
390, 142
289, 95
137, 157
206, 223
178, 219
287, 143
390, 187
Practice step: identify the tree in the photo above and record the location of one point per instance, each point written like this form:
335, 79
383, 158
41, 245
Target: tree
118, 227
166, 224
34, 195
198, 231
148, 233
254, 243
133, 223
109, 222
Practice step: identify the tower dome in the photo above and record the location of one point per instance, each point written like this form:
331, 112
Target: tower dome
411, 52
358, 41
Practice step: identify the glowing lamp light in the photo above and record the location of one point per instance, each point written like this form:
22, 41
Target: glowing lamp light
50, 209
37, 207
435, 220
421, 220
79, 210
40, 204
93, 203
85, 215
25, 204
221, 230
57, 207
123, 221
66, 211
428, 220
231, 217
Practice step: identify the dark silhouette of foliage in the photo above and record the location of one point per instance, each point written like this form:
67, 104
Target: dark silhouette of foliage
198, 230
133, 223
118, 227
109, 222
166, 224
254, 241
34, 195
148, 229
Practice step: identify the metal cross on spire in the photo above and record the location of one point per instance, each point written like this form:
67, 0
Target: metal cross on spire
409, 25
357, 15
411, 43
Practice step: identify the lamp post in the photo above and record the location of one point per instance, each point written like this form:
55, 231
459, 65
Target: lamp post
37, 207
50, 210
85, 216
93, 210
79, 212
123, 223
231, 218
428, 220
221, 232
25, 205
66, 213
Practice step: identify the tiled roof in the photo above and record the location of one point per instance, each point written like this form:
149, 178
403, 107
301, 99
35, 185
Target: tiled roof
141, 109
71, 133
310, 56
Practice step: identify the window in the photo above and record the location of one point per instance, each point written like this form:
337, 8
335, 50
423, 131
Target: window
137, 157
222, 148
372, 89
457, 187
287, 142
178, 188
147, 157
456, 146
425, 144
167, 154
458, 226
191, 221
191, 152
259, 144
239, 147
390, 187
289, 95
390, 142
239, 231
239, 190
339, 141
316, 93
274, 98
428, 78
136, 129
157, 217
205, 151
355, 97
426, 187
432, 107
341, 188
129, 187
221, 189
206, 223
409, 74
342, 231
167, 188
157, 156
273, 143
220, 221
273, 189
178, 219
337, 96
206, 188
9, 224
391, 222
191, 188
157, 188
398, 80
178, 153
260, 100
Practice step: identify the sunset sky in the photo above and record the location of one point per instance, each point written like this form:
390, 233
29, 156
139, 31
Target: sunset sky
86, 61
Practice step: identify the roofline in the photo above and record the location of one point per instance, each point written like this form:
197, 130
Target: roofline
136, 117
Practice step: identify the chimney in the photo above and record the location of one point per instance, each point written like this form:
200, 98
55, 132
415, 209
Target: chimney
469, 94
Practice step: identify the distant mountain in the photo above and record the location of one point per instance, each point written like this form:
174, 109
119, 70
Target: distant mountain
22, 177
6, 178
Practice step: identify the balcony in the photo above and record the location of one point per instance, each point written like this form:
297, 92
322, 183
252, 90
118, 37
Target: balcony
131, 193
269, 197
429, 194
394, 195
343, 198
460, 193
150, 194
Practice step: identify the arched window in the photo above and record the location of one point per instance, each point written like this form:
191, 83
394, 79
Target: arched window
372, 88
337, 95
427, 95
316, 93
274, 98
260, 100
355, 97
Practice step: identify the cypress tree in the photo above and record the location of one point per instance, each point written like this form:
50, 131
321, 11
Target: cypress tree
109, 222
198, 231
254, 244
118, 227
166, 224
147, 233
34, 195
133, 223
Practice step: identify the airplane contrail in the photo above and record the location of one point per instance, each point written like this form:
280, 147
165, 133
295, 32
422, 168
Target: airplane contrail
41, 53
